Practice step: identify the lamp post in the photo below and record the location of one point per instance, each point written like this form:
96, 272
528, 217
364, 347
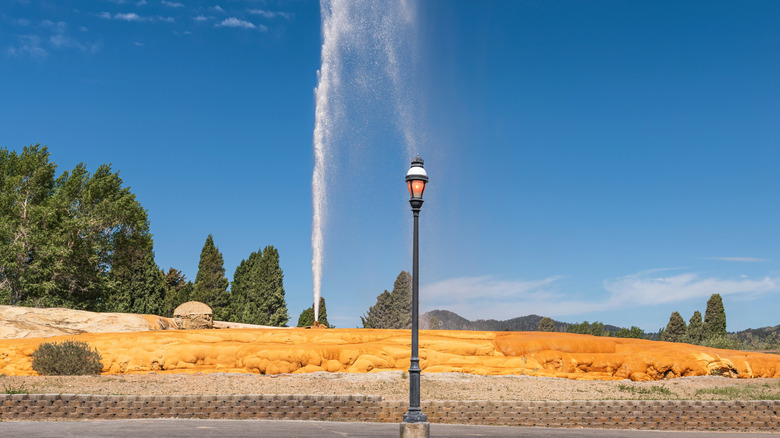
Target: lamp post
415, 423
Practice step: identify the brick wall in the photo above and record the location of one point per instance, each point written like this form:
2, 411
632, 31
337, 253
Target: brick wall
683, 415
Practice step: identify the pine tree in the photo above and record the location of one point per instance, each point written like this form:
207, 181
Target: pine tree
270, 303
245, 290
675, 329
714, 318
177, 290
380, 314
695, 333
210, 282
546, 325
307, 316
401, 302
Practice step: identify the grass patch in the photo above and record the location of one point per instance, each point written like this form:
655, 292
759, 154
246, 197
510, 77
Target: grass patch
740, 393
21, 389
638, 390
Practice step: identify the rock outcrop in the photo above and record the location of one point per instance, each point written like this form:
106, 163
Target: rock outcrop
31, 322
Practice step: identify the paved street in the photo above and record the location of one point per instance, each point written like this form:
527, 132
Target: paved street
309, 429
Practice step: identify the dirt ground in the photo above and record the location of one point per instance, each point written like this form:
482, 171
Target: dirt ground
394, 386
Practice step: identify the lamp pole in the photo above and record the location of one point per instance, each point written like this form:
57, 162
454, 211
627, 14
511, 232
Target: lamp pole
416, 179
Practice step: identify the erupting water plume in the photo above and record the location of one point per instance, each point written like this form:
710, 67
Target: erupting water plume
366, 48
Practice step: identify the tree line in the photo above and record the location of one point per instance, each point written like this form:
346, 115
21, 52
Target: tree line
81, 240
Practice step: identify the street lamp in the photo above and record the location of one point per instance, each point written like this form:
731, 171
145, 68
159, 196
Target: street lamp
415, 422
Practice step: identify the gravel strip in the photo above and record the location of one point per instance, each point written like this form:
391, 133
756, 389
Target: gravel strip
394, 386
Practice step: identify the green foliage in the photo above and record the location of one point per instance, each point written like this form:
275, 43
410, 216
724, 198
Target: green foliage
142, 287
546, 325
64, 236
21, 389
177, 291
392, 310
210, 282
633, 332
675, 329
307, 316
653, 390
742, 392
695, 333
586, 328
68, 358
725, 342
257, 291
714, 318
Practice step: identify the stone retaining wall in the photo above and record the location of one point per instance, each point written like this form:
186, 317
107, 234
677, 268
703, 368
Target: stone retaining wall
634, 414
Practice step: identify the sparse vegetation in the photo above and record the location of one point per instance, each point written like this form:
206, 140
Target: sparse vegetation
68, 358
765, 392
655, 389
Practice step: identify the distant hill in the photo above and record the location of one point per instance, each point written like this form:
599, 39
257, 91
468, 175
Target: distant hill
452, 321
756, 338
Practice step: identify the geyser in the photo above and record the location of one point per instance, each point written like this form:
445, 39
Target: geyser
366, 51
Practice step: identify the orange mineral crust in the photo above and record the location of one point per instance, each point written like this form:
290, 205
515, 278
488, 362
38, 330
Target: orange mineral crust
270, 351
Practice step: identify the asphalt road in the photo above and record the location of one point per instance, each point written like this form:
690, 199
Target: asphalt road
308, 429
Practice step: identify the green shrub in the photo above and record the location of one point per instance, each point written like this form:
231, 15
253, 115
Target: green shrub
724, 342
69, 358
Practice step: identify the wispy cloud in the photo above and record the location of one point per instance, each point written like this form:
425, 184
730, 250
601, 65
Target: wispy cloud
648, 288
30, 45
486, 297
172, 4
739, 259
270, 14
200, 18
218, 8
132, 17
235, 22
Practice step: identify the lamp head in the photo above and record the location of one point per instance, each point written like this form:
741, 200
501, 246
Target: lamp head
416, 178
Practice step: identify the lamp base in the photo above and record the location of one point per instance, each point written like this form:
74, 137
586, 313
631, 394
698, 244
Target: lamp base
415, 430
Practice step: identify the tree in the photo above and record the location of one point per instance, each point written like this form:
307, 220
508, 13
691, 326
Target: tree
714, 318
139, 289
392, 310
210, 282
245, 290
379, 314
675, 329
271, 306
546, 325
177, 291
633, 332
63, 237
695, 333
307, 316
401, 302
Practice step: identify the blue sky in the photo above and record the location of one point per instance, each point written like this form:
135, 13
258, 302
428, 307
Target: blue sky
602, 160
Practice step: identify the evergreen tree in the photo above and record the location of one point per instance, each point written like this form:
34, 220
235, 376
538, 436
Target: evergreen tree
307, 316
245, 291
675, 329
210, 282
141, 289
380, 314
269, 302
695, 333
401, 302
177, 291
714, 318
546, 325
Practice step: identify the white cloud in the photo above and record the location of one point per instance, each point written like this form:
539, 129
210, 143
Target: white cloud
270, 14
140, 3
218, 8
739, 259
104, 15
172, 4
130, 16
23, 22
138, 44
235, 22
646, 288
200, 18
485, 297
28, 45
